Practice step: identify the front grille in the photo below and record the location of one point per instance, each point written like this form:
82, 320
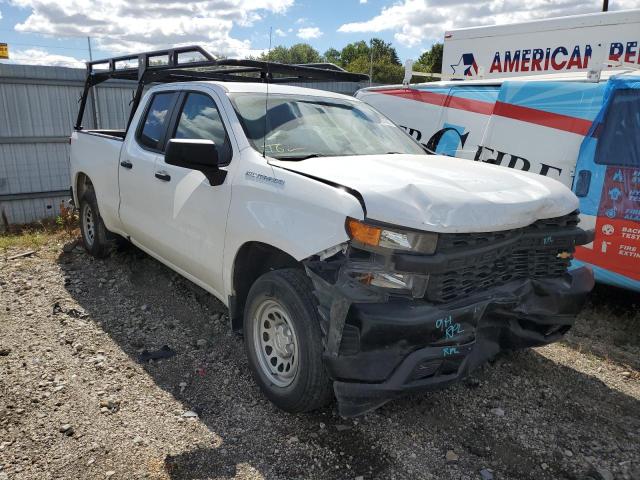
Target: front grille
530, 252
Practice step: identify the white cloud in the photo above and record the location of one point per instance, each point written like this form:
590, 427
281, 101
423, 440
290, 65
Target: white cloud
363, 1
280, 33
37, 56
122, 26
417, 22
308, 33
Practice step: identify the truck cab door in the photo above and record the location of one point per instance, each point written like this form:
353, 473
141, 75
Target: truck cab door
137, 168
190, 214
607, 182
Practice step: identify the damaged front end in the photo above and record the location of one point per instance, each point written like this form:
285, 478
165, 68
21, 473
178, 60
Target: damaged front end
405, 311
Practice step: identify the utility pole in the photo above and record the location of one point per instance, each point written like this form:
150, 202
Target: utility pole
90, 54
605, 5
93, 94
371, 62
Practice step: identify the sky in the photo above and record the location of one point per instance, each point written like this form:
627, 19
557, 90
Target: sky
54, 32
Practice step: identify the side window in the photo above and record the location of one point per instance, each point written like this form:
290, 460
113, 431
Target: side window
619, 140
156, 120
200, 119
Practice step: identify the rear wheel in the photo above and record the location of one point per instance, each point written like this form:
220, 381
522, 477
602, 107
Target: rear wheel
284, 343
97, 240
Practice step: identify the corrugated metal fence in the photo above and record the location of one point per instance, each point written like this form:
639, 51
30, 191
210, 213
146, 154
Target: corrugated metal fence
38, 107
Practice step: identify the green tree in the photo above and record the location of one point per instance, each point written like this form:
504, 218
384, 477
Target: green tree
332, 56
383, 70
298, 53
431, 60
352, 51
356, 57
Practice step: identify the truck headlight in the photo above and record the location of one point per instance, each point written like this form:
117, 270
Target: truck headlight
391, 238
374, 275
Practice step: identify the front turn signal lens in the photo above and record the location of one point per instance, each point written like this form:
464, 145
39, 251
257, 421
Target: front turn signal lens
392, 238
363, 233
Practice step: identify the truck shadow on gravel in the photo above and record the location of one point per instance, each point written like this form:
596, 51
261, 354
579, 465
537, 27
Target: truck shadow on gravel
143, 305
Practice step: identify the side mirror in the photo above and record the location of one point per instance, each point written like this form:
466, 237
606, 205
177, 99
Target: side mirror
196, 154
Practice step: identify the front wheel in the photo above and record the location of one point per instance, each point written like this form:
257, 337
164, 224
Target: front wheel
284, 343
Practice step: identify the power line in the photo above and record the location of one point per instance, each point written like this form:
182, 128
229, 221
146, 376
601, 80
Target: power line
45, 46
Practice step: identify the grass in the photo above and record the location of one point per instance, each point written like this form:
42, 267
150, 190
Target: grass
35, 236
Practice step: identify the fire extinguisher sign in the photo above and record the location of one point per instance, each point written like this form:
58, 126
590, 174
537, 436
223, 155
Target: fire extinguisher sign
4, 51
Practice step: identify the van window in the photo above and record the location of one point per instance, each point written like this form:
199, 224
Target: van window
156, 120
619, 136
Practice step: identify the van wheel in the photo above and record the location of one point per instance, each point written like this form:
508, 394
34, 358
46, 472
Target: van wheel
283, 341
97, 240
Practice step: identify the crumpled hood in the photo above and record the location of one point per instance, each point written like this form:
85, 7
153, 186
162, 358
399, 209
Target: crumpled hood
442, 194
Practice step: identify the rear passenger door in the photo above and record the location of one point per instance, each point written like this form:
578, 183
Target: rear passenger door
190, 213
138, 185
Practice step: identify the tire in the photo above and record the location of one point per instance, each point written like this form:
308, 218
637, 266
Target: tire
279, 299
97, 240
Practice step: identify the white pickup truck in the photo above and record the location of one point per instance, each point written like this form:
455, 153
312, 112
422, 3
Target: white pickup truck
356, 265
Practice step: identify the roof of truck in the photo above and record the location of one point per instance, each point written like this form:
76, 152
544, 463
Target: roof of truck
252, 87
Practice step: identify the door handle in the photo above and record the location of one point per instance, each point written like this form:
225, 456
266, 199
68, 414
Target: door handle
164, 176
126, 164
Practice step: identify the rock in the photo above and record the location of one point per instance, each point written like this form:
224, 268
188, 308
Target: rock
138, 440
568, 453
342, 428
109, 474
201, 343
544, 466
293, 440
498, 412
67, 429
144, 308
486, 474
472, 382
190, 414
600, 473
182, 386
626, 374
4, 352
452, 457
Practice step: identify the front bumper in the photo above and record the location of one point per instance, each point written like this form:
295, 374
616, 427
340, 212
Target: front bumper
399, 346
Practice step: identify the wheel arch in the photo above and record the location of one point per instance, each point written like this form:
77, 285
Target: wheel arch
81, 184
252, 260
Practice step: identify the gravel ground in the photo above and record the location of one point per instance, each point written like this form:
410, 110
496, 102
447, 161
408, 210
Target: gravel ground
77, 400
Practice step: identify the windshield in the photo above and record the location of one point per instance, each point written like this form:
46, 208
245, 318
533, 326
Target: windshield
300, 126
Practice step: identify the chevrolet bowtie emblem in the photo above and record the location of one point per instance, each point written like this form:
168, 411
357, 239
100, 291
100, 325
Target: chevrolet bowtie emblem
564, 255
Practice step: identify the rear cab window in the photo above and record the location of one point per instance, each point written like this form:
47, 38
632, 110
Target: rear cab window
152, 130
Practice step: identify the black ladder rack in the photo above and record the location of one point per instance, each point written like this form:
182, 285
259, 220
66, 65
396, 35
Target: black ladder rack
164, 66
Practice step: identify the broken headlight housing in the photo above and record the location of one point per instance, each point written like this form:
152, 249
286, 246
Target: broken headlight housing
374, 274
391, 237
377, 270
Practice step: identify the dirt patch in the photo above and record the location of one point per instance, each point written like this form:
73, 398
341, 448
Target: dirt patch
76, 401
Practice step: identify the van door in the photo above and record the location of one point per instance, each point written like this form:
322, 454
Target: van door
463, 122
607, 183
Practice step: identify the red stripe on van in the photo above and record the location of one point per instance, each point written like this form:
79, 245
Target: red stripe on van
417, 95
524, 114
540, 117
469, 105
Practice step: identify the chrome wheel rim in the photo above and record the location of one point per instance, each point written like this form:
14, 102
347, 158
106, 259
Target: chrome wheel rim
88, 224
275, 343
